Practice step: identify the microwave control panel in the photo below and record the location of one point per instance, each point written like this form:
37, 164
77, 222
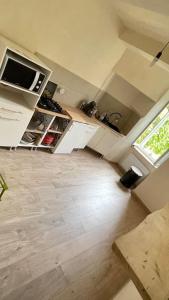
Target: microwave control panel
39, 83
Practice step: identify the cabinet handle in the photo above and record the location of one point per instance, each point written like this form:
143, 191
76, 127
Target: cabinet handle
8, 118
10, 110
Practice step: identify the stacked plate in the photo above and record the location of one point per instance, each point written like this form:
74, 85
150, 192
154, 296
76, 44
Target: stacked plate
28, 138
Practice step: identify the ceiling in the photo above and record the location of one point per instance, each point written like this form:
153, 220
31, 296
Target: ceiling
148, 17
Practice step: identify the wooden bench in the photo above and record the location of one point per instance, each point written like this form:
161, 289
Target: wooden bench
145, 253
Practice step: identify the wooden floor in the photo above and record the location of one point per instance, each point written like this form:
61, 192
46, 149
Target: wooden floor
57, 224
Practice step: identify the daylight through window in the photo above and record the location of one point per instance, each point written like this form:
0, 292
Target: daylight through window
154, 141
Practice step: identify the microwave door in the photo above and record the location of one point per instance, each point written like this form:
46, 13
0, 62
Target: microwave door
33, 85
18, 74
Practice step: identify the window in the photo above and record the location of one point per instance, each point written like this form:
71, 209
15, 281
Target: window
154, 141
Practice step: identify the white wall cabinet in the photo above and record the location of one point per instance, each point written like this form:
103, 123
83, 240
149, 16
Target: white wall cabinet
77, 136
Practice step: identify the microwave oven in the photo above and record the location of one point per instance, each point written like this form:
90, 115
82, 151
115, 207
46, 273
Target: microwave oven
21, 72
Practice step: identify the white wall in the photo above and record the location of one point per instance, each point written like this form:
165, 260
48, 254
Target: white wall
128, 95
135, 68
81, 36
154, 190
124, 144
145, 43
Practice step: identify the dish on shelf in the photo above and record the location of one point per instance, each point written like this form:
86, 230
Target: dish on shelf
29, 138
55, 126
37, 122
59, 125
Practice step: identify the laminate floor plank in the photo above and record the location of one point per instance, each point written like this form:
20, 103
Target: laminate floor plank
58, 221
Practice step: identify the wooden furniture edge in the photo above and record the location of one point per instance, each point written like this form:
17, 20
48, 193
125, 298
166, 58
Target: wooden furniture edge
55, 114
131, 273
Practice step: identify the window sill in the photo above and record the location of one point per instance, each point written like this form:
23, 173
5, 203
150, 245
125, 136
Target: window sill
144, 156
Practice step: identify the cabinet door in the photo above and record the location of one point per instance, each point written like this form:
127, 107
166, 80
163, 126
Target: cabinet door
77, 136
14, 119
97, 137
66, 144
87, 132
107, 142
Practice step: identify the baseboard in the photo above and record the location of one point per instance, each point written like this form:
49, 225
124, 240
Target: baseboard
138, 199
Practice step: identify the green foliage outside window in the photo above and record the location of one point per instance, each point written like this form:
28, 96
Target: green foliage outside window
158, 143
148, 130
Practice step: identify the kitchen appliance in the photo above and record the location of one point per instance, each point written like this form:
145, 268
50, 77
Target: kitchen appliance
49, 104
110, 119
18, 71
89, 108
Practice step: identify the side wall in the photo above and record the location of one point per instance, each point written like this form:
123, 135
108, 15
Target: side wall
154, 190
81, 36
76, 88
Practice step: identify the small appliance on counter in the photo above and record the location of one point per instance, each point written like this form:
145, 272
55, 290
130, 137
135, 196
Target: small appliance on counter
89, 108
49, 104
110, 119
46, 101
19, 71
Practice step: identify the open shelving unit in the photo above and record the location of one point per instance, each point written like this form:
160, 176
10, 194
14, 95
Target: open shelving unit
54, 125
34, 131
17, 104
52, 113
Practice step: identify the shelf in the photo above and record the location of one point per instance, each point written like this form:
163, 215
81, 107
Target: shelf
36, 146
35, 131
13, 101
18, 88
28, 145
55, 114
55, 131
43, 146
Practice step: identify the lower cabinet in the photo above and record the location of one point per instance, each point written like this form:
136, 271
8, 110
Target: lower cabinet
104, 140
77, 136
14, 118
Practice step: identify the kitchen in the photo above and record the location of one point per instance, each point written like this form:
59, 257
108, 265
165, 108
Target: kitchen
108, 119
77, 85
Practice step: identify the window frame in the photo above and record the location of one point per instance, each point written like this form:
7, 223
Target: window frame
165, 155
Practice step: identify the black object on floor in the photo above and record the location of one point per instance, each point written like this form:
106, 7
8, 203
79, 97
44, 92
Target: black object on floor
131, 177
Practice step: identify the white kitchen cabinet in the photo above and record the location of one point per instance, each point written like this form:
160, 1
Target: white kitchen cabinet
104, 140
99, 135
86, 132
106, 144
76, 137
14, 118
